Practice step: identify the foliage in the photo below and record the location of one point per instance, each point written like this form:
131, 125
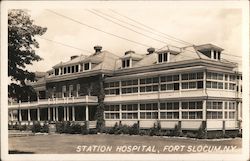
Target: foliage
71, 128
156, 130
21, 52
100, 107
177, 130
36, 127
201, 134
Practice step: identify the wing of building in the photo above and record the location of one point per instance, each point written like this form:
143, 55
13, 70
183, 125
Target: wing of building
189, 87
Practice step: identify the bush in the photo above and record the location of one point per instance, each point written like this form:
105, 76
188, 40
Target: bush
156, 130
75, 129
36, 127
134, 130
177, 130
93, 131
201, 134
59, 127
22, 127
191, 134
84, 129
45, 128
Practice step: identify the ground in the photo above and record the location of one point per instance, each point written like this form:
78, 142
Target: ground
66, 143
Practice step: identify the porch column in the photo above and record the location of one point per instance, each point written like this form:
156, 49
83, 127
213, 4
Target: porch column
38, 114
20, 115
48, 113
64, 114
56, 113
68, 113
73, 113
11, 115
204, 110
87, 113
28, 114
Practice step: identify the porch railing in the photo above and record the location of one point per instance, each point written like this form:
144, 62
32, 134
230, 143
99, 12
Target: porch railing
54, 101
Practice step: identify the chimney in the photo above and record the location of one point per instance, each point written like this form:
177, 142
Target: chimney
97, 49
73, 57
128, 52
150, 50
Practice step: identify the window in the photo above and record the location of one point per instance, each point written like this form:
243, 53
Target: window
125, 63
64, 91
219, 55
232, 78
73, 69
192, 110
77, 68
149, 111
111, 111
77, 90
214, 110
112, 88
200, 84
162, 57
214, 114
215, 54
214, 105
167, 82
56, 71
176, 86
149, 84
169, 106
169, 115
69, 70
86, 66
232, 86
191, 105
71, 91
64, 70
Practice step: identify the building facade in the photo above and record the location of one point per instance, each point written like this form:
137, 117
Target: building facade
189, 87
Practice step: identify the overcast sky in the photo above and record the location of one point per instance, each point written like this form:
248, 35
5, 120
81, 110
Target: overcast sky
197, 25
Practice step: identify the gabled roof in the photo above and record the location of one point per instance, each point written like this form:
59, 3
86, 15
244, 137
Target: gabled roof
207, 47
133, 55
107, 60
76, 60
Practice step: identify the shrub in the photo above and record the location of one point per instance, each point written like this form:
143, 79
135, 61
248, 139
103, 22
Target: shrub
84, 129
75, 129
93, 131
59, 127
177, 130
191, 134
22, 127
134, 130
143, 132
45, 128
201, 134
156, 130
36, 127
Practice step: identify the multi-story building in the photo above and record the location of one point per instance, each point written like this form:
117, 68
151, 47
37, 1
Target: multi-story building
189, 87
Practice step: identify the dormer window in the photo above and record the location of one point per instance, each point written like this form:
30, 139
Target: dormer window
163, 57
56, 71
216, 55
126, 63
210, 50
87, 66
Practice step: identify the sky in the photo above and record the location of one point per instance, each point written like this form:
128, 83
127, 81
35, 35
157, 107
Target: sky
196, 25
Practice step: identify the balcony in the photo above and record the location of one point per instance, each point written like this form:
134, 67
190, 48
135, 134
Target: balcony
55, 101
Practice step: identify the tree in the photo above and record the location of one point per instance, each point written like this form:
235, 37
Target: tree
21, 52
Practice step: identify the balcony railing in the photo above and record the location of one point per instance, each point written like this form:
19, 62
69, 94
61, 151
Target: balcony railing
55, 101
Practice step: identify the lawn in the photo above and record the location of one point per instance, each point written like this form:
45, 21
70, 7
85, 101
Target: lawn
81, 144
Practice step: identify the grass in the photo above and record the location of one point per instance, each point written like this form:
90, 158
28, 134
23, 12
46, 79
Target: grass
67, 144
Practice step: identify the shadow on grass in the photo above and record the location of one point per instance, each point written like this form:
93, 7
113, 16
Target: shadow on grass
19, 152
